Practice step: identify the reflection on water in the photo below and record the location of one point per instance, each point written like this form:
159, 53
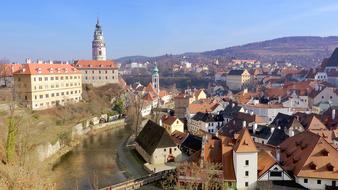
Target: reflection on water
91, 162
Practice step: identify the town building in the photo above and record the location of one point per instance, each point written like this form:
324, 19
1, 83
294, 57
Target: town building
156, 146
206, 122
42, 86
172, 123
238, 79
311, 160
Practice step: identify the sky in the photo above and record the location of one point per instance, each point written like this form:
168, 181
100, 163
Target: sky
63, 29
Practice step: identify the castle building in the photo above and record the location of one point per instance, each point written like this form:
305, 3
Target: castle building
42, 86
99, 71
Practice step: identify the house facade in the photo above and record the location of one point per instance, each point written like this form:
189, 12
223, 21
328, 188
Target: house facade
237, 79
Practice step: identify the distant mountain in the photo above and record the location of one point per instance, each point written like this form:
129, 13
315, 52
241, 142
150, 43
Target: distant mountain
132, 58
300, 50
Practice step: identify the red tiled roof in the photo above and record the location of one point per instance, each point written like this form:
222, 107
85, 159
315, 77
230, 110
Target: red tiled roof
45, 69
7, 70
108, 64
309, 155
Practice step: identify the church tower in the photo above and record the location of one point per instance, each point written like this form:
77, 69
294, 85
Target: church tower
98, 45
156, 79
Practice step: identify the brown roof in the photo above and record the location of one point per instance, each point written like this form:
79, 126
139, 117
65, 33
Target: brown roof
244, 142
108, 64
169, 120
45, 69
150, 88
265, 162
7, 70
178, 137
227, 159
213, 150
309, 155
202, 107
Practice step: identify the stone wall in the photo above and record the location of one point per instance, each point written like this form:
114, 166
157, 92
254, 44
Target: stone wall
46, 150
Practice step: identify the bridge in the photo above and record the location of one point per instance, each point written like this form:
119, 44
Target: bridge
139, 182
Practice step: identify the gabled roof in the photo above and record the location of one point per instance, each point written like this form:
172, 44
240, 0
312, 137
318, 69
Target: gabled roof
179, 137
265, 162
150, 88
231, 128
169, 120
213, 150
227, 159
309, 155
244, 142
154, 136
95, 64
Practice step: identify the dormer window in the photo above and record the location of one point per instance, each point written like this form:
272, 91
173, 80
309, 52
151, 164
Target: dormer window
51, 70
39, 70
330, 167
324, 152
58, 69
313, 166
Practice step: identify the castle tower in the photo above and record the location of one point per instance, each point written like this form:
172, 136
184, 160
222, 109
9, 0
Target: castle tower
98, 45
156, 79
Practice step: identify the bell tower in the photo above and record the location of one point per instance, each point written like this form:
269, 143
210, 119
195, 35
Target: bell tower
98, 45
156, 79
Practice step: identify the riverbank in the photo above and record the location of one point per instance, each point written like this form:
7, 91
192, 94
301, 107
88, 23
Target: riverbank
100, 128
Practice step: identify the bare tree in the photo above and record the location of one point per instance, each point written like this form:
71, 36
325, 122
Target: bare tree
135, 109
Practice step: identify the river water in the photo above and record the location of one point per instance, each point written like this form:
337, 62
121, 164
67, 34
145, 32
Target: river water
91, 163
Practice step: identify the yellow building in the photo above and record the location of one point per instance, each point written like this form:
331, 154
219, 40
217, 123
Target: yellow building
237, 79
41, 86
172, 123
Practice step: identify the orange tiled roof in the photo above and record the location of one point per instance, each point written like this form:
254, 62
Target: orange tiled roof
7, 70
265, 162
45, 69
150, 88
202, 107
213, 150
227, 159
169, 120
108, 64
244, 142
309, 155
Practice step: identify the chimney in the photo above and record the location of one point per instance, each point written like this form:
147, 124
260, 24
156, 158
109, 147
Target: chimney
291, 133
233, 105
244, 123
279, 99
278, 154
254, 128
333, 114
160, 122
28, 60
272, 129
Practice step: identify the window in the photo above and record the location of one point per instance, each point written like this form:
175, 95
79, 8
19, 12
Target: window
330, 97
93, 72
41, 96
275, 174
36, 97
86, 72
70, 77
46, 78
61, 78
246, 173
51, 78
26, 98
52, 94
40, 78
246, 162
164, 150
319, 181
322, 97
47, 95
66, 77
100, 52
246, 184
56, 78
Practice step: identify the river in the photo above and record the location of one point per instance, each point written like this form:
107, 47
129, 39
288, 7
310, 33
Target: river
92, 162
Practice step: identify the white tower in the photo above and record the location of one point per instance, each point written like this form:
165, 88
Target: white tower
98, 45
156, 79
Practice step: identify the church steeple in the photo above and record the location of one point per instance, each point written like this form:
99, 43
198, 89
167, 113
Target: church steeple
98, 44
156, 79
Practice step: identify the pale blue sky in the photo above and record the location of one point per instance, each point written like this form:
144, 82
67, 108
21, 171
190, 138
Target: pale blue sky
63, 29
